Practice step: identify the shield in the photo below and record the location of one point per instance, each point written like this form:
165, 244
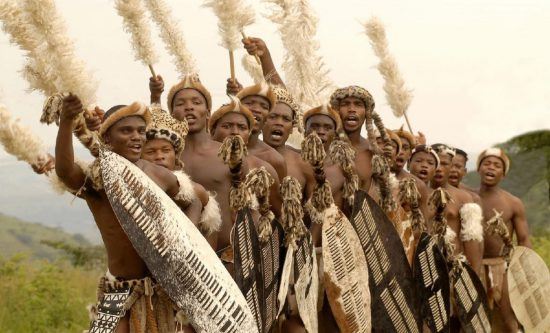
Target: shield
345, 272
175, 252
248, 273
432, 280
471, 301
271, 274
529, 289
395, 303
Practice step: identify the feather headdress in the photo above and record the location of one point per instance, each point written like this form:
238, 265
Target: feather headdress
398, 96
171, 35
135, 23
233, 16
305, 73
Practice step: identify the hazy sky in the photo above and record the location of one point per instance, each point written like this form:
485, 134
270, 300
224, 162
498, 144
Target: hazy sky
479, 69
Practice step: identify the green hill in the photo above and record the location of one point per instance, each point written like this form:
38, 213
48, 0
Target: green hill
529, 177
17, 236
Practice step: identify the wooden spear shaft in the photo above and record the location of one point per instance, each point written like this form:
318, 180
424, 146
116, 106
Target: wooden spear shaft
232, 65
152, 71
408, 122
255, 56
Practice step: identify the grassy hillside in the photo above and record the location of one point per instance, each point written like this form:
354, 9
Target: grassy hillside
17, 237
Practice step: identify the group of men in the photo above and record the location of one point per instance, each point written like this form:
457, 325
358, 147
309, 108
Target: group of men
179, 150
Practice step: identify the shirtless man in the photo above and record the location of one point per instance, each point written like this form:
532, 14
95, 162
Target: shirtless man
259, 99
458, 171
353, 103
456, 211
493, 165
423, 163
124, 132
190, 100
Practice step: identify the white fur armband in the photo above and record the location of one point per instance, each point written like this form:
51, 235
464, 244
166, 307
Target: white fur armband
471, 228
186, 192
211, 219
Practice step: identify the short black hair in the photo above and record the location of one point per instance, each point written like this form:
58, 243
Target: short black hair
462, 152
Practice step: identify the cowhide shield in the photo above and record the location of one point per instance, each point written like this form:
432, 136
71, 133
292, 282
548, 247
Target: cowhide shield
345, 273
432, 282
395, 303
271, 274
529, 289
248, 259
175, 252
471, 301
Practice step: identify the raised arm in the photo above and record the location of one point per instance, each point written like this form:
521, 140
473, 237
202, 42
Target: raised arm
519, 222
257, 47
66, 169
156, 87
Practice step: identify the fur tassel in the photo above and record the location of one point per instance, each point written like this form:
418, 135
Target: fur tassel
292, 213
18, 140
398, 97
471, 228
408, 194
305, 72
172, 36
253, 68
381, 174
186, 194
450, 235
343, 154
232, 151
259, 181
131, 12
496, 226
233, 16
313, 151
211, 219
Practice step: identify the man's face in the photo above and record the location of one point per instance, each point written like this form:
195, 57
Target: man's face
404, 154
191, 105
441, 176
422, 165
231, 123
323, 125
259, 106
126, 137
278, 125
161, 152
352, 111
491, 171
458, 170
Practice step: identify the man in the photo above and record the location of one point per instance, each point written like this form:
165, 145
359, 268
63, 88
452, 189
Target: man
423, 163
493, 165
123, 131
353, 105
190, 100
278, 126
408, 143
465, 224
260, 99
458, 171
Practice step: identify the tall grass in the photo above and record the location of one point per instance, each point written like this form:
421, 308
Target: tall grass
40, 296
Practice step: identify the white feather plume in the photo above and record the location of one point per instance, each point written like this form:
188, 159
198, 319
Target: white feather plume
67, 72
253, 68
233, 16
398, 96
18, 140
305, 73
172, 36
132, 13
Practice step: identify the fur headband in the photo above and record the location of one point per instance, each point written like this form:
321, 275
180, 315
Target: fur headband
283, 96
134, 109
163, 126
425, 149
441, 148
326, 110
261, 89
406, 135
190, 81
352, 91
495, 152
234, 106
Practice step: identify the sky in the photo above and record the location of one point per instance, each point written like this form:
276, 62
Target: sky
479, 69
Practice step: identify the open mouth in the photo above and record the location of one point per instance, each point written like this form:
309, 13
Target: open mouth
190, 118
135, 148
423, 174
352, 120
489, 175
276, 134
